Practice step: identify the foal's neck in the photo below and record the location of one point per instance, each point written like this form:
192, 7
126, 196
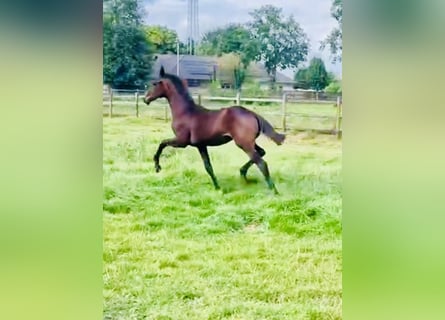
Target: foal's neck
180, 104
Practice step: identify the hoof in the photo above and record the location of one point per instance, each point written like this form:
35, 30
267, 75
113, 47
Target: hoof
220, 191
273, 188
158, 168
250, 180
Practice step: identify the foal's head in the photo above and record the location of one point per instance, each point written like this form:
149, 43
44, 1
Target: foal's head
166, 86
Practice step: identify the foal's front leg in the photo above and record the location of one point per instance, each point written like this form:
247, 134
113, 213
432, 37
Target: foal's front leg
206, 159
175, 143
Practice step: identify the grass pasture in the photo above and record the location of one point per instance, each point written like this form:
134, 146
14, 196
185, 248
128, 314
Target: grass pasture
174, 248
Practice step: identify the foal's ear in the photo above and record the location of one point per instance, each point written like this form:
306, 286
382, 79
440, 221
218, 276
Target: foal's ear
162, 72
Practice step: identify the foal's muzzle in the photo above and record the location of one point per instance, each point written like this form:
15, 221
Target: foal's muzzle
147, 100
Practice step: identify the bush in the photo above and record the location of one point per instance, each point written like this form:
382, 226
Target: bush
333, 87
254, 91
216, 90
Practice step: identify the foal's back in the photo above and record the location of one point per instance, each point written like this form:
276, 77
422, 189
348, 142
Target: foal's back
207, 123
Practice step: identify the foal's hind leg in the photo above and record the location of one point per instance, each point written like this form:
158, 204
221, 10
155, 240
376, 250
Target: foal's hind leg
248, 164
255, 157
168, 142
205, 158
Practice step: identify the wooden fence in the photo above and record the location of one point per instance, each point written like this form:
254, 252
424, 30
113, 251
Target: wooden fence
132, 98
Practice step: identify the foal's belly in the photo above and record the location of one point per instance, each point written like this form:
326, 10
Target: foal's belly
215, 141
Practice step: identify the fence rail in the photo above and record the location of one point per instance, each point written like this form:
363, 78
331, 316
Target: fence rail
332, 119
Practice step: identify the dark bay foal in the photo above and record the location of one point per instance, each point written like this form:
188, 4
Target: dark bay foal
197, 126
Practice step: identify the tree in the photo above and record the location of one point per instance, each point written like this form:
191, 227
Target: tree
229, 70
126, 55
335, 39
334, 87
232, 39
302, 79
314, 76
162, 39
183, 49
281, 42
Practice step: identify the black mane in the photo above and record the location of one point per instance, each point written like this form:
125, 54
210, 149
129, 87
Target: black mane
177, 82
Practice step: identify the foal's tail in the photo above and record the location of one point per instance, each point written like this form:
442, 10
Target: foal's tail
266, 128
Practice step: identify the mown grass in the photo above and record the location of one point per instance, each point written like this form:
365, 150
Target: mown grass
174, 248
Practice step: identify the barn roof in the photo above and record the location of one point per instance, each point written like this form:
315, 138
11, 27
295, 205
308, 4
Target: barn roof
205, 67
258, 71
190, 67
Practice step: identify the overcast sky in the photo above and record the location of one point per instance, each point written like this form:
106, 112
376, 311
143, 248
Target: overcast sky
312, 15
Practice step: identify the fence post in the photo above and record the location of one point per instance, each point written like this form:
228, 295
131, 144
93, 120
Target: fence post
137, 103
238, 98
110, 103
339, 118
199, 99
283, 111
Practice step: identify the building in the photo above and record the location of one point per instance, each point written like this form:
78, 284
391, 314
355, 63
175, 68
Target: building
196, 69
258, 72
200, 70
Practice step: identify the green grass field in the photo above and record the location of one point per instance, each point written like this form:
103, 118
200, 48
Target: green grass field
174, 248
